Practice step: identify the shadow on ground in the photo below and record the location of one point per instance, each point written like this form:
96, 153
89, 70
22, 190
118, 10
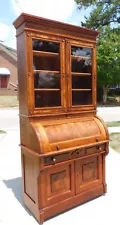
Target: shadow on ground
16, 186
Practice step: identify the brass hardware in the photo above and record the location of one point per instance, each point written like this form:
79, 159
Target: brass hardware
97, 139
53, 159
99, 148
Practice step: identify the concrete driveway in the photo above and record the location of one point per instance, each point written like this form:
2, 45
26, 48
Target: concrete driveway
100, 211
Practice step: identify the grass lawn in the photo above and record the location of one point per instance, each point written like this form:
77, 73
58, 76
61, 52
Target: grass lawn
114, 98
113, 124
115, 141
8, 101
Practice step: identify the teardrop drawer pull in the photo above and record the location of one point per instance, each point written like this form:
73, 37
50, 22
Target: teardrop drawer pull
54, 159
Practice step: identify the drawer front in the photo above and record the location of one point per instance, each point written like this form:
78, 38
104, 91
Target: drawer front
80, 152
95, 149
56, 159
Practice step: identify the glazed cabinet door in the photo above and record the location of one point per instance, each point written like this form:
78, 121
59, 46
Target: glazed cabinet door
47, 74
58, 183
88, 173
81, 70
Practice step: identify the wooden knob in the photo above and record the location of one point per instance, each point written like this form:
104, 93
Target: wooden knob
58, 147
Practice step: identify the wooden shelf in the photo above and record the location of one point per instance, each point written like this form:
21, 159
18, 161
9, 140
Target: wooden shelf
81, 89
80, 74
46, 89
46, 71
80, 57
41, 53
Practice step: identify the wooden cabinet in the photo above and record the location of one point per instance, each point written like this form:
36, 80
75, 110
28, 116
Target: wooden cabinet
63, 142
59, 83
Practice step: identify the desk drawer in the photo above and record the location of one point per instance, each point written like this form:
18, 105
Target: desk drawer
95, 149
56, 159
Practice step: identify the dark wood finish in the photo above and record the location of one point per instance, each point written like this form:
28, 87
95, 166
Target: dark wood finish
63, 142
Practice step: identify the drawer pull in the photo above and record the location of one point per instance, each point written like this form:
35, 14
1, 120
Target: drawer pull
58, 147
54, 159
99, 148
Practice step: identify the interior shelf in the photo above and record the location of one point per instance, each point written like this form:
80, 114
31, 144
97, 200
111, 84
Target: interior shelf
80, 57
46, 89
42, 53
80, 74
81, 89
46, 71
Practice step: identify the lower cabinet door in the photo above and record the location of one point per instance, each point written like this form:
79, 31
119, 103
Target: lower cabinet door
59, 182
88, 173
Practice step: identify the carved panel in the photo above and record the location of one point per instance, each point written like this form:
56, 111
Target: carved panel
88, 173
58, 181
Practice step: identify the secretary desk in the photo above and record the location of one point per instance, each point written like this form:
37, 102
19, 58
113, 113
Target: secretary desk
63, 142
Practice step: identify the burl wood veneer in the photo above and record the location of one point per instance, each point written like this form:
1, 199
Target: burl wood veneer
63, 142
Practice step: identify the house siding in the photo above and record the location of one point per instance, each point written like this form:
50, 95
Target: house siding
7, 62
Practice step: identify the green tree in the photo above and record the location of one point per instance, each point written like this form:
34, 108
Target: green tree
103, 12
108, 59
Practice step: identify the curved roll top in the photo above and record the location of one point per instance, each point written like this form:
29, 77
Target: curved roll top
68, 134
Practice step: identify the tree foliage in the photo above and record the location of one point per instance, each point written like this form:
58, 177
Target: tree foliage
108, 59
103, 12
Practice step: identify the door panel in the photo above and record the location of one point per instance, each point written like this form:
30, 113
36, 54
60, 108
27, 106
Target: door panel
59, 182
3, 81
80, 72
88, 173
47, 64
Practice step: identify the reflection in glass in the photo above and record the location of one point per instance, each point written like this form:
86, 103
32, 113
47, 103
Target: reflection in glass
81, 97
46, 80
46, 46
46, 63
81, 65
47, 98
79, 51
81, 59
81, 82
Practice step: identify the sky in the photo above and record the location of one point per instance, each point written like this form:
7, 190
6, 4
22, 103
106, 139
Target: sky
60, 10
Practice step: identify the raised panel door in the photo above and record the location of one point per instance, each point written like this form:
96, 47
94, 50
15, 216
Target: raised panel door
88, 173
59, 182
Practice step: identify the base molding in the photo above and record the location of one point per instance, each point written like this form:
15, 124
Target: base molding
55, 209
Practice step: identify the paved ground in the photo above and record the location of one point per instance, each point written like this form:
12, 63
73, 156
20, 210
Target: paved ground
101, 211
109, 113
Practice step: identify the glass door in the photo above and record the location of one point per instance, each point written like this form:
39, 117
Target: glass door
48, 74
80, 74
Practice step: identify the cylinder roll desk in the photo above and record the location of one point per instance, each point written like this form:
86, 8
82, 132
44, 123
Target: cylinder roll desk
63, 142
